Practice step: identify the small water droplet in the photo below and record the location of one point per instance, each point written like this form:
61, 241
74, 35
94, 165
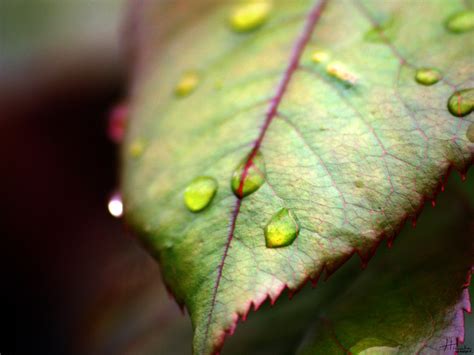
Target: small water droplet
250, 15
117, 121
460, 22
253, 173
427, 76
373, 346
470, 133
320, 56
136, 148
199, 193
282, 229
461, 103
187, 83
115, 205
339, 71
385, 29
359, 184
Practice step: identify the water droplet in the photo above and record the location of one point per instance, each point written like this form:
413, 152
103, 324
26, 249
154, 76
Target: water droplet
428, 76
187, 83
115, 205
461, 103
137, 148
359, 184
339, 71
250, 16
252, 170
470, 133
320, 56
282, 229
199, 193
117, 122
374, 346
460, 22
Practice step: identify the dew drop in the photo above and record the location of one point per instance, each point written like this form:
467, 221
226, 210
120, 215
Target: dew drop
460, 22
187, 83
427, 76
339, 71
115, 205
199, 193
461, 103
250, 15
253, 174
319, 56
282, 229
136, 148
470, 133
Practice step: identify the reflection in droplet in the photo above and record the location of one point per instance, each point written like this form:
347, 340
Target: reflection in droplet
281, 230
250, 15
428, 76
115, 205
460, 22
199, 193
461, 103
253, 174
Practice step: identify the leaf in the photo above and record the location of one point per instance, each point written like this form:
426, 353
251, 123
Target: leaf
411, 299
352, 147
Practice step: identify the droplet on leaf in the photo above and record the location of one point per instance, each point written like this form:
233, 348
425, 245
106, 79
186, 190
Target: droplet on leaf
339, 71
386, 27
470, 133
461, 103
460, 22
199, 193
282, 229
320, 56
248, 176
250, 15
359, 184
137, 148
374, 346
115, 205
428, 76
187, 83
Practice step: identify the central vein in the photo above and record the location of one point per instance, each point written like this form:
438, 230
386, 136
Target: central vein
296, 53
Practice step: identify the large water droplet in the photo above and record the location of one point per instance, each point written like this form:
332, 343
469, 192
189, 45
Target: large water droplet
252, 171
187, 83
428, 76
199, 193
282, 229
374, 346
460, 22
461, 103
470, 133
251, 15
115, 205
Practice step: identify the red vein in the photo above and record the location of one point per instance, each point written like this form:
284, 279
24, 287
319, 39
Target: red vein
271, 113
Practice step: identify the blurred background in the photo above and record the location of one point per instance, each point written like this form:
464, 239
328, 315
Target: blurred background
62, 69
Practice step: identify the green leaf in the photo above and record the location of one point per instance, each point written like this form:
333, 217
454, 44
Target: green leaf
352, 146
410, 299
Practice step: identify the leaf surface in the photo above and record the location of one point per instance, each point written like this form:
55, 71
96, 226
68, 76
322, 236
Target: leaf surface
351, 147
